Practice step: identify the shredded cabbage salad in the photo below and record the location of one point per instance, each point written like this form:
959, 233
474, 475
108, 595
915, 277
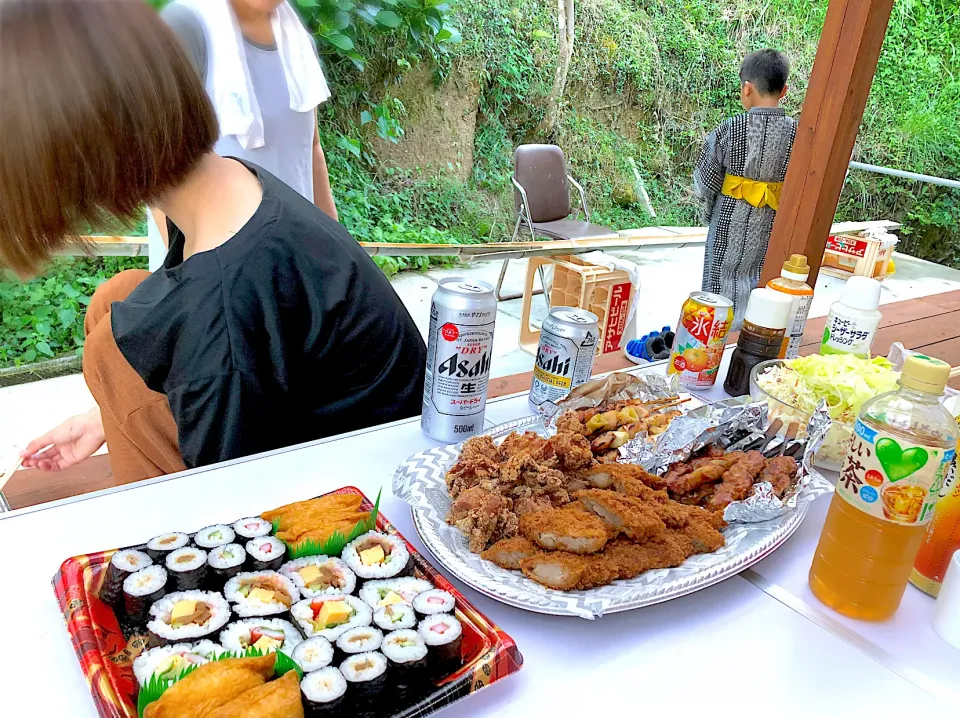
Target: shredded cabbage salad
844, 380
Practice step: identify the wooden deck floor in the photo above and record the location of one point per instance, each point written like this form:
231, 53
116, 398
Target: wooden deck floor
930, 324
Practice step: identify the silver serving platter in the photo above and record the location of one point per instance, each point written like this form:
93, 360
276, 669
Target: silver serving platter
420, 482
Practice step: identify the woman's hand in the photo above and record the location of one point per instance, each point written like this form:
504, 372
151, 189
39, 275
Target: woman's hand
74, 440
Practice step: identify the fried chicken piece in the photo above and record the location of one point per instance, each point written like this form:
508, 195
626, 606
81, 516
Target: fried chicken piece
564, 571
478, 464
609, 457
485, 517
571, 528
528, 504
605, 476
529, 442
507, 553
631, 559
626, 515
570, 422
572, 451
522, 476
780, 471
737, 481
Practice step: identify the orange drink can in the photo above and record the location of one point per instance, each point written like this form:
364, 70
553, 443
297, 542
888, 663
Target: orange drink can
701, 334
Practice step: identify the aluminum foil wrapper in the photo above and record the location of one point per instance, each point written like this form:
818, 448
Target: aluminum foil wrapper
694, 430
618, 386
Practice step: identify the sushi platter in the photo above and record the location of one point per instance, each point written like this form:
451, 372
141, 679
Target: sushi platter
372, 629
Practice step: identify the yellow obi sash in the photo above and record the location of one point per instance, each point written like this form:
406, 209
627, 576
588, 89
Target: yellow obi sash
754, 192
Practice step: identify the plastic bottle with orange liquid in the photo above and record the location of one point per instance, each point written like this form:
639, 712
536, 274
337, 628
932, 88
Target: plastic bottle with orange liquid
793, 282
902, 448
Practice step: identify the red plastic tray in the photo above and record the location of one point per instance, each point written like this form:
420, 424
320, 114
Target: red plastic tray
106, 655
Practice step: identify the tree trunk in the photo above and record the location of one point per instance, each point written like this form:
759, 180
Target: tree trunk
565, 27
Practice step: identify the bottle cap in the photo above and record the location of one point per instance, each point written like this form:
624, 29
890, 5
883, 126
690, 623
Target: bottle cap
796, 268
926, 374
861, 293
768, 308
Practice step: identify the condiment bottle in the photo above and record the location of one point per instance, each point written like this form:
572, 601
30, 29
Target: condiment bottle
761, 337
793, 282
853, 320
903, 444
943, 534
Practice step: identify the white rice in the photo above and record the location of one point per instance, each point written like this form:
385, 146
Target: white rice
323, 686
395, 561
348, 579
168, 542
177, 561
266, 548
130, 560
213, 536
303, 614
246, 607
363, 675
160, 625
407, 587
252, 527
208, 649
360, 640
313, 654
404, 646
395, 617
145, 581
227, 556
432, 638
236, 636
155, 659
435, 601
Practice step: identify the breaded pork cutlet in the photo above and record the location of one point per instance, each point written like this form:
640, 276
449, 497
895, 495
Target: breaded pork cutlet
508, 553
607, 476
564, 571
677, 516
632, 559
624, 514
571, 528
697, 537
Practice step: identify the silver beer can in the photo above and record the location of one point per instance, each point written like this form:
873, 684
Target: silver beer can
459, 350
568, 343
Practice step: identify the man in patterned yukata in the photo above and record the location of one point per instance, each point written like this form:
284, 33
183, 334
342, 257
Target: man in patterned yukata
738, 179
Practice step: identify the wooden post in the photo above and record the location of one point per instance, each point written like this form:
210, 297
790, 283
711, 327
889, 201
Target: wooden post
832, 109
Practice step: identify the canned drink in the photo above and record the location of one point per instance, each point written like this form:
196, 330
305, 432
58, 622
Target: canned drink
703, 326
459, 349
568, 343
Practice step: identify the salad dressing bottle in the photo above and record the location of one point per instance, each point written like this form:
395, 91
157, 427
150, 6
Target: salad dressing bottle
793, 282
899, 457
853, 320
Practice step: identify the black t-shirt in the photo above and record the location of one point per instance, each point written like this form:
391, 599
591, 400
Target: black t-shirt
286, 333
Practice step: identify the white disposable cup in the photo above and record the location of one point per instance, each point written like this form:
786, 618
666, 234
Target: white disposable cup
946, 610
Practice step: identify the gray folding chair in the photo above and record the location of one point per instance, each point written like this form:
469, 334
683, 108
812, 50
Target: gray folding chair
541, 191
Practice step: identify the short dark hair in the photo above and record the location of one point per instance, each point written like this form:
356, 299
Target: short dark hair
767, 70
100, 112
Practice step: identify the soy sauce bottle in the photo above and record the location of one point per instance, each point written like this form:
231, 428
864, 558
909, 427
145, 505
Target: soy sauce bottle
761, 338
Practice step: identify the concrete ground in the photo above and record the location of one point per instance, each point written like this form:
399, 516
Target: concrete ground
667, 276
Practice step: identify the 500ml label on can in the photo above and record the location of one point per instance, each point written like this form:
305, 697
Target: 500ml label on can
561, 364
891, 478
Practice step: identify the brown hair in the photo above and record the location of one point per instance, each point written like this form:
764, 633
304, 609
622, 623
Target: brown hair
100, 112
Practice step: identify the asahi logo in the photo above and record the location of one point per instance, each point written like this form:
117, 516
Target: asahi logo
553, 364
460, 368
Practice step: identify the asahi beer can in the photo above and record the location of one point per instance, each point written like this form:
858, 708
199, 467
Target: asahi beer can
459, 348
568, 343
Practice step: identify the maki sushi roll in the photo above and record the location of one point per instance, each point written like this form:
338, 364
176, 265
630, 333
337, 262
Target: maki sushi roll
264, 634
407, 652
443, 635
169, 662
261, 593
377, 556
142, 589
122, 564
252, 527
317, 576
330, 616
213, 536
266, 553
159, 546
395, 590
434, 601
187, 616
362, 639
187, 567
395, 617
366, 675
323, 691
225, 562
313, 654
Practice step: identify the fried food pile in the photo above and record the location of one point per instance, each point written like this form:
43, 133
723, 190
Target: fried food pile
317, 519
610, 426
547, 507
714, 478
231, 688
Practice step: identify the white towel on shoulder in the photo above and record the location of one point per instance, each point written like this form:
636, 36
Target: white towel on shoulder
229, 77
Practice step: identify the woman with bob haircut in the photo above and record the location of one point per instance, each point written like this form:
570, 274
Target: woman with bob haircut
267, 326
